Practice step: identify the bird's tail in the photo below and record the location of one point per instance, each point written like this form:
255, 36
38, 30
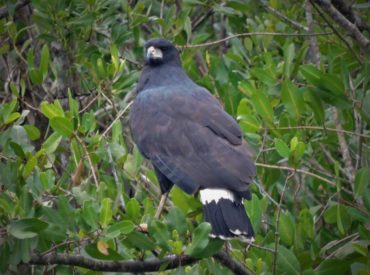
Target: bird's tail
226, 214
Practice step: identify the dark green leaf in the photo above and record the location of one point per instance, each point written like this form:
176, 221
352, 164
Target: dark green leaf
362, 181
200, 239
27, 228
106, 212
118, 228
282, 148
62, 126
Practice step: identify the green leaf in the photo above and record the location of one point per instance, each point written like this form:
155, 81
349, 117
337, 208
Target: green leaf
289, 53
264, 76
89, 214
31, 163
32, 132
249, 123
262, 104
52, 143
18, 150
35, 76
282, 148
312, 74
160, 233
334, 266
62, 125
287, 262
139, 240
187, 27
286, 228
133, 209
118, 228
200, 240
51, 110
177, 219
361, 181
292, 99
44, 62
12, 117
27, 228
105, 212
93, 251
338, 214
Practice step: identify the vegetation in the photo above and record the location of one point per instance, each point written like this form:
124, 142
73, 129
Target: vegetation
74, 189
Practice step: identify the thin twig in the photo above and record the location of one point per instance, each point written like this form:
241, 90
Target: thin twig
18, 5
81, 142
277, 223
115, 120
336, 31
317, 128
161, 205
115, 175
251, 34
333, 184
345, 24
349, 170
314, 48
283, 17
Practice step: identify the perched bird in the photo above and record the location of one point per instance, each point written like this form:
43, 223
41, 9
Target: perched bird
191, 141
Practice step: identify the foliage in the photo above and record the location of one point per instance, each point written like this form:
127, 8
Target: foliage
72, 182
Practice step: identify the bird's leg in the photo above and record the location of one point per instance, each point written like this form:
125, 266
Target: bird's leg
161, 205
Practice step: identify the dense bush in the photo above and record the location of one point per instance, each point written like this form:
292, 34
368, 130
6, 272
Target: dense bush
72, 183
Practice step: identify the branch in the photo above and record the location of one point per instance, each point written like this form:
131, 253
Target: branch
314, 48
348, 12
277, 237
317, 128
20, 4
283, 17
333, 184
251, 34
234, 266
152, 265
345, 23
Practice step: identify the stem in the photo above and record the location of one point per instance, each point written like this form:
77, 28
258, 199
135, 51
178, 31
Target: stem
278, 221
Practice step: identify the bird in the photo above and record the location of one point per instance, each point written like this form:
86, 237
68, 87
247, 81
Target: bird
192, 142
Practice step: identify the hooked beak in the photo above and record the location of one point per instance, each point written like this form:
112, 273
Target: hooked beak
154, 53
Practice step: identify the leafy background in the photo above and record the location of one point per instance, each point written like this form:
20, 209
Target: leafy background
73, 183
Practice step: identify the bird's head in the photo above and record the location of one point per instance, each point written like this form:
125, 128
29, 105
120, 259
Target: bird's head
159, 51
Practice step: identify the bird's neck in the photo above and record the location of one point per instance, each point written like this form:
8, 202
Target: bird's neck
163, 75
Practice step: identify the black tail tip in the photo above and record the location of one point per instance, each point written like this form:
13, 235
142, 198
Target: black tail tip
228, 220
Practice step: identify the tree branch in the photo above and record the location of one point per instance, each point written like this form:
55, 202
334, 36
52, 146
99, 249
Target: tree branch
234, 266
283, 17
152, 265
308, 173
345, 24
20, 4
212, 43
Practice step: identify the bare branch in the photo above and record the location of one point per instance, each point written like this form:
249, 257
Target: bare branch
20, 4
308, 173
349, 13
283, 17
345, 24
317, 128
151, 265
246, 34
234, 266
277, 237
314, 48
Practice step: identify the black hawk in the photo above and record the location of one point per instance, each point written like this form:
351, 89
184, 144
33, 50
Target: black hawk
191, 141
